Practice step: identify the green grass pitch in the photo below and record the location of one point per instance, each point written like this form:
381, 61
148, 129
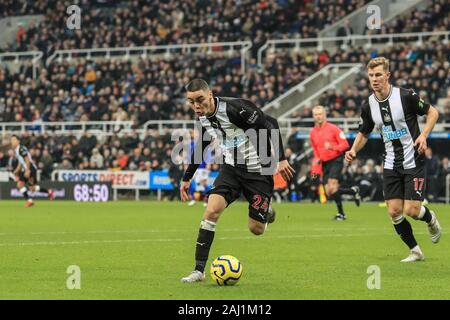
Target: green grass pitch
140, 250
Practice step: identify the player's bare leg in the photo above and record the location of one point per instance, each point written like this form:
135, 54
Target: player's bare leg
256, 227
417, 211
216, 205
404, 229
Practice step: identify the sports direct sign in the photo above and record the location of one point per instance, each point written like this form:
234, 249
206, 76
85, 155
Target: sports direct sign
119, 179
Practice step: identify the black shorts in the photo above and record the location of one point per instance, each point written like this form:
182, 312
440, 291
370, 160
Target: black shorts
257, 189
332, 169
32, 179
406, 184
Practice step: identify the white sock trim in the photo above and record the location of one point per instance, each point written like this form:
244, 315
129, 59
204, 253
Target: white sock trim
398, 220
421, 213
208, 225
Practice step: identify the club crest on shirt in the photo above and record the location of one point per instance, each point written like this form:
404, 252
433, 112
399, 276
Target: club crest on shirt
387, 117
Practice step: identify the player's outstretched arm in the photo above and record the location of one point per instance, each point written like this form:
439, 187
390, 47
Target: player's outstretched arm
421, 141
358, 144
17, 170
184, 190
285, 169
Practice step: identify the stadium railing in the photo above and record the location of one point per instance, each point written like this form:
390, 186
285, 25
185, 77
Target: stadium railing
346, 77
14, 58
441, 130
144, 51
328, 77
65, 127
108, 128
172, 124
358, 19
355, 40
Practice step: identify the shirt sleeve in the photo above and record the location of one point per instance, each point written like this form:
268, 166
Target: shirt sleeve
342, 143
416, 104
197, 154
23, 152
272, 124
253, 117
366, 123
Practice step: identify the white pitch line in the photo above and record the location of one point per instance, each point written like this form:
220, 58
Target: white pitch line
89, 232
56, 243
164, 231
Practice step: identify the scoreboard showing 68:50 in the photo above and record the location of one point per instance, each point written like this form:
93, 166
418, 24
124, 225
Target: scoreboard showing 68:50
92, 192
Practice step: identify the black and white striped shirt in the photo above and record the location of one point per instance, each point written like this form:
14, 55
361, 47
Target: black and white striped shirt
230, 124
396, 119
22, 153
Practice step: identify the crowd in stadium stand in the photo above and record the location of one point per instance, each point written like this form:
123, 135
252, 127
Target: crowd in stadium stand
152, 90
436, 17
153, 151
140, 22
144, 89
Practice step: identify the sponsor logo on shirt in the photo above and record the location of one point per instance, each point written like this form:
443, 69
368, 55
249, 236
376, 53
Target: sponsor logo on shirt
421, 102
389, 134
253, 118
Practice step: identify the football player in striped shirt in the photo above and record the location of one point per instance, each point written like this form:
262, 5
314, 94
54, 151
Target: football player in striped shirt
26, 172
393, 112
244, 134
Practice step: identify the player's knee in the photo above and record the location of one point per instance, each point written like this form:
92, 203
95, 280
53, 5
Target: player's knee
412, 210
329, 190
332, 186
395, 211
257, 230
213, 212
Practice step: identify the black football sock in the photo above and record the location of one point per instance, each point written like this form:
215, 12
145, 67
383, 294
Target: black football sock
204, 241
404, 230
24, 192
314, 195
39, 189
425, 214
337, 198
349, 191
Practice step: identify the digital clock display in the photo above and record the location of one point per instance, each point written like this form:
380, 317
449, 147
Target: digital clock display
91, 192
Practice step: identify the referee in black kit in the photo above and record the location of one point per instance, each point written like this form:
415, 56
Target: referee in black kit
231, 121
393, 111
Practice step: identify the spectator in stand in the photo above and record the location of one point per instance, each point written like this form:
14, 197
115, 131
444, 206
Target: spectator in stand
344, 31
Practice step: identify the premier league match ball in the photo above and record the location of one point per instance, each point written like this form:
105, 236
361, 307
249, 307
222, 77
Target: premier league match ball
226, 270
